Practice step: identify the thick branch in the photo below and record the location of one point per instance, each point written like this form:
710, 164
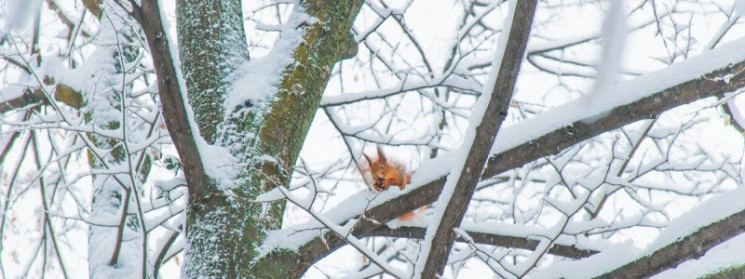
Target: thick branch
645, 108
212, 45
692, 246
319, 247
733, 272
486, 131
65, 18
28, 98
490, 239
62, 93
548, 144
215, 227
174, 111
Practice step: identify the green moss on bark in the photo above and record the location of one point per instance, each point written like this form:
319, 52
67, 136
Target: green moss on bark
212, 43
224, 231
325, 42
735, 272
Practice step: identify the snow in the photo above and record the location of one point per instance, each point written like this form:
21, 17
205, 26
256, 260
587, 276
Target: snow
619, 94
569, 207
272, 195
344, 232
164, 214
295, 236
256, 79
217, 161
16, 15
11, 92
259, 78
708, 212
724, 255
532, 232
463, 234
615, 256
476, 117
735, 102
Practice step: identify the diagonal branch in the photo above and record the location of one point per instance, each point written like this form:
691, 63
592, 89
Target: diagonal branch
164, 249
648, 107
174, 110
25, 99
490, 239
457, 194
31, 97
692, 246
550, 143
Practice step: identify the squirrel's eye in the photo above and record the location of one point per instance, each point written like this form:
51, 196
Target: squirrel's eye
382, 167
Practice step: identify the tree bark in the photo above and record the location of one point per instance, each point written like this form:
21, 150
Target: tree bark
486, 131
112, 195
550, 143
692, 246
734, 272
490, 239
224, 233
293, 264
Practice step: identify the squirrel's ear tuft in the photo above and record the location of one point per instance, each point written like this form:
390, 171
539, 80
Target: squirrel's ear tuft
381, 156
369, 162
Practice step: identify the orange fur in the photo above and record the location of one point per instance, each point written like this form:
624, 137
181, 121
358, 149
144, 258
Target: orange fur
407, 216
386, 173
411, 214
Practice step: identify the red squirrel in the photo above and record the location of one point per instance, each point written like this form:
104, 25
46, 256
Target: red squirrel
384, 173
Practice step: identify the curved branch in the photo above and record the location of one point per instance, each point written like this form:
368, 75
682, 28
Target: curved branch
161, 258
730, 110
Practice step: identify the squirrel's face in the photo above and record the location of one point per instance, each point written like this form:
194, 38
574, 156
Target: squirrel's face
385, 174
378, 171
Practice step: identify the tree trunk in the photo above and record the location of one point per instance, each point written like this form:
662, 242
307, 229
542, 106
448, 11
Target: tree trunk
224, 229
109, 253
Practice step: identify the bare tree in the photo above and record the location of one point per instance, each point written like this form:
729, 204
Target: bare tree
542, 137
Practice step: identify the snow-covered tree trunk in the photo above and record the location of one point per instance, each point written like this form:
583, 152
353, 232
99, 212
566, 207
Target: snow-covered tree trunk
224, 228
221, 232
117, 248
